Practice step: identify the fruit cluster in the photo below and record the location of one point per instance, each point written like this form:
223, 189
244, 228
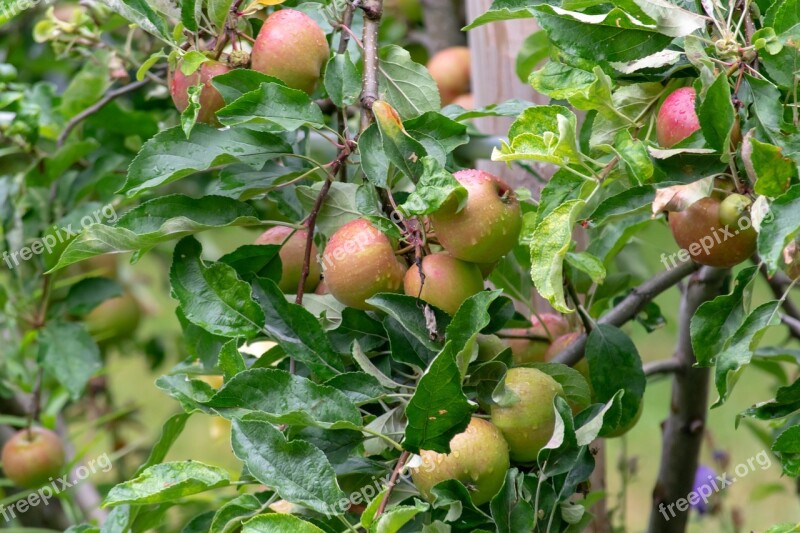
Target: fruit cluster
714, 230
360, 261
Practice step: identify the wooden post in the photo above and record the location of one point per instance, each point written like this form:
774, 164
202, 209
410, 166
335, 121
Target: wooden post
494, 79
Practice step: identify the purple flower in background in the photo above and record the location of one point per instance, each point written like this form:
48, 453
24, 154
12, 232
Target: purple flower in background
703, 484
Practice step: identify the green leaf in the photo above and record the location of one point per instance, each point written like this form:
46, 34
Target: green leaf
157, 221
406, 85
787, 447
189, 13
89, 293
283, 398
297, 331
402, 150
140, 13
786, 402
717, 320
589, 264
213, 297
434, 188
438, 134
338, 208
238, 82
170, 432
576, 388
504, 10
218, 12
230, 516
342, 80
511, 512
170, 156
614, 364
542, 133
549, 245
279, 523
69, 354
773, 171
439, 410
405, 310
632, 200
612, 36
87, 86
778, 227
231, 361
274, 108
634, 155
739, 348
716, 115
192, 111
168, 482
535, 49
299, 472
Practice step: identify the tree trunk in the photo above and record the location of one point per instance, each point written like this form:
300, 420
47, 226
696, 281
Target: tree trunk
684, 428
443, 22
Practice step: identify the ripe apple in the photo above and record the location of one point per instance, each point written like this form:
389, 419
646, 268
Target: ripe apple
489, 346
291, 47
488, 226
359, 262
292, 254
562, 343
677, 118
478, 458
31, 457
448, 281
710, 240
210, 99
467, 101
527, 424
115, 319
526, 351
450, 69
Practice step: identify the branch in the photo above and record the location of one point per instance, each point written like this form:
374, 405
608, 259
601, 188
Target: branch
684, 429
779, 284
373, 10
630, 306
667, 366
392, 482
100, 104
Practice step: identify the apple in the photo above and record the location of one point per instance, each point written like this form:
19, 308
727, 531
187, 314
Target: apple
526, 351
448, 281
291, 47
620, 431
360, 262
487, 227
467, 101
562, 343
292, 254
677, 118
528, 423
32, 456
489, 347
478, 458
115, 319
322, 288
450, 69
210, 99
715, 233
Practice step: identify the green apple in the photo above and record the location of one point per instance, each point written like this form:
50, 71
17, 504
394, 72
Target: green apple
528, 420
447, 281
115, 319
478, 458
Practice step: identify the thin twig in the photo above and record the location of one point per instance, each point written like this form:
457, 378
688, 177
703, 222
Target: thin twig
778, 284
100, 104
630, 306
667, 366
584, 316
392, 482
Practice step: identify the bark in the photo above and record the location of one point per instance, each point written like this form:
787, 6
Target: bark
684, 428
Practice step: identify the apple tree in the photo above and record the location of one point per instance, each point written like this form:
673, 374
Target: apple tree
381, 332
